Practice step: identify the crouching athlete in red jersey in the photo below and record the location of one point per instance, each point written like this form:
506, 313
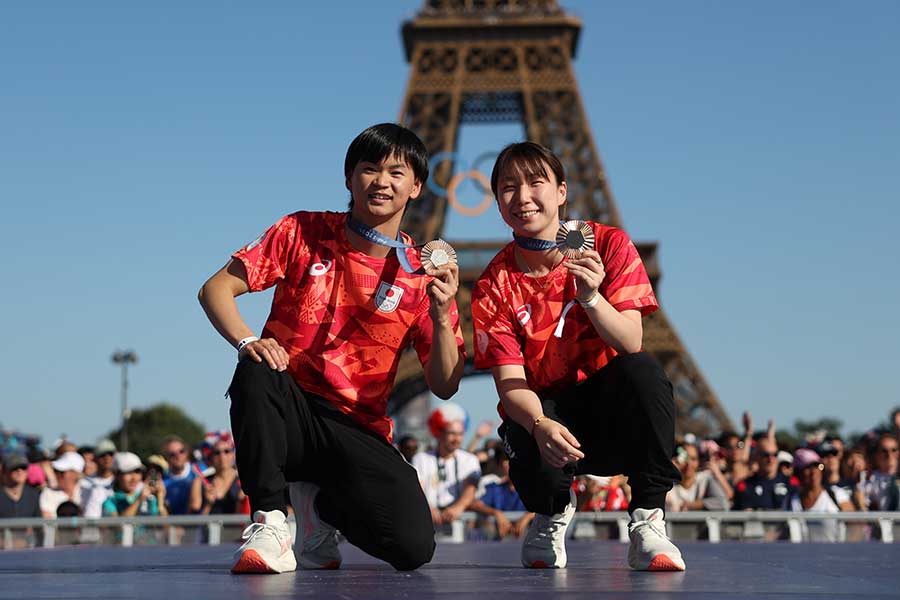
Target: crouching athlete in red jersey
308, 398
563, 338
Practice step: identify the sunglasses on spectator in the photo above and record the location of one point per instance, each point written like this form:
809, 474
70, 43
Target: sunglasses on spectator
175, 453
767, 454
889, 450
222, 451
18, 469
105, 454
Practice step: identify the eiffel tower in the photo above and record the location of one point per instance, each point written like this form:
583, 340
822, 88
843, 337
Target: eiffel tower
510, 61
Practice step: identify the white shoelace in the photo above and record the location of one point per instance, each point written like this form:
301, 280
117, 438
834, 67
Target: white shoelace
549, 529
255, 528
657, 525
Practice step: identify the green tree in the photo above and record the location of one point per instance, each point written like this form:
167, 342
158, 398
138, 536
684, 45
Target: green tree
787, 440
830, 425
148, 427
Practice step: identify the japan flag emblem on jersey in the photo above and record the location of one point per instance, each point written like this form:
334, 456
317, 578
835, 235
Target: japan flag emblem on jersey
387, 298
523, 314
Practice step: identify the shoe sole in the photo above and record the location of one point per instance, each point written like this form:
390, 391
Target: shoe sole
329, 566
661, 562
540, 564
251, 562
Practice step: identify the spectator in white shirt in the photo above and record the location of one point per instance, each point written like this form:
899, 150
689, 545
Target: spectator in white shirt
99, 487
448, 474
67, 468
812, 496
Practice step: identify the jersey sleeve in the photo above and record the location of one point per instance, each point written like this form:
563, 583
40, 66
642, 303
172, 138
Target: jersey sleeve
626, 285
423, 331
266, 259
496, 340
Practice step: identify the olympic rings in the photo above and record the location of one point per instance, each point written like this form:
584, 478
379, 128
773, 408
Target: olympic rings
469, 211
475, 174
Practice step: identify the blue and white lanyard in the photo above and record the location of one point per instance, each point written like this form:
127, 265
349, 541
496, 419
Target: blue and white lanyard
376, 237
540, 245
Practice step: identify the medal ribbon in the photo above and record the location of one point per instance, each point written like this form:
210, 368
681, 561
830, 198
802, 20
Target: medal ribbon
376, 237
534, 243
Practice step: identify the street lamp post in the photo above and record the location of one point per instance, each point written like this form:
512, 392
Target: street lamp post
124, 358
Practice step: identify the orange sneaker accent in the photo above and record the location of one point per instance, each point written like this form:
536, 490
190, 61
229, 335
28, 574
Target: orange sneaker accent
335, 564
663, 563
539, 564
251, 562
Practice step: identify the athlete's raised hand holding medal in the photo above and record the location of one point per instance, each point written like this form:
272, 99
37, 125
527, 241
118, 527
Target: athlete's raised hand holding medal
439, 261
589, 274
575, 240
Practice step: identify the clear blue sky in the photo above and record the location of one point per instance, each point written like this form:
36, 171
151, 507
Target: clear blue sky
140, 144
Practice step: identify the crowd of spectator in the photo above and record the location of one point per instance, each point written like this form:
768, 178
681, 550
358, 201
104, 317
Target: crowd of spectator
824, 474
99, 481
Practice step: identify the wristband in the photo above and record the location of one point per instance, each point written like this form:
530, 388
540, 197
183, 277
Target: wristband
590, 302
246, 341
535, 424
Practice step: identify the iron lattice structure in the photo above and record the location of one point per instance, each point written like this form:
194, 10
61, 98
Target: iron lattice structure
511, 61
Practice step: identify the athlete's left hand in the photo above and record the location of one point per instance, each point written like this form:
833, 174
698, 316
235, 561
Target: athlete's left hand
442, 291
588, 272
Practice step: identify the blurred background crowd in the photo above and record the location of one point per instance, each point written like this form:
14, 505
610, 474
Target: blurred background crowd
747, 470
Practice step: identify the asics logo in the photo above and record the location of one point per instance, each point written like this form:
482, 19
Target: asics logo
320, 268
255, 243
523, 314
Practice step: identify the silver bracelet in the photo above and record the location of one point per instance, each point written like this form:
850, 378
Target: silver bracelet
590, 302
246, 341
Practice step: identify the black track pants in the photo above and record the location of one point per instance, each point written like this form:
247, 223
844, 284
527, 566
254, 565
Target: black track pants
624, 417
368, 491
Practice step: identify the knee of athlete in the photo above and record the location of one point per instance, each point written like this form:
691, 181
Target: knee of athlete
413, 550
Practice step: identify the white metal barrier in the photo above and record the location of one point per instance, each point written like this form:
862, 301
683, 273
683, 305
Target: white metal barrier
46, 532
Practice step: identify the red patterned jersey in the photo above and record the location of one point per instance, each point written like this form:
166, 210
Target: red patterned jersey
536, 322
342, 316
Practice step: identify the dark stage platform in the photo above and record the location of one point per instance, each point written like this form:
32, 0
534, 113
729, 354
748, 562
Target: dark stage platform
596, 569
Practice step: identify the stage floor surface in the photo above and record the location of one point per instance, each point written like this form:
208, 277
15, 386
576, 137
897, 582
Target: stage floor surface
472, 570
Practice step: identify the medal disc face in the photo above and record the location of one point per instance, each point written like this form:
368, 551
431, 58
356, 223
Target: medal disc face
437, 254
575, 240
439, 257
574, 237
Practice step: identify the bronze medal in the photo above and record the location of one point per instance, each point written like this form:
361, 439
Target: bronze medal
573, 238
437, 254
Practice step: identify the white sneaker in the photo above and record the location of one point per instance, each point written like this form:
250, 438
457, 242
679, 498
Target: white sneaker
545, 543
267, 545
650, 548
317, 545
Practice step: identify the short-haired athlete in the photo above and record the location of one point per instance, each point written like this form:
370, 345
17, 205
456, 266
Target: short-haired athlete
563, 337
308, 398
